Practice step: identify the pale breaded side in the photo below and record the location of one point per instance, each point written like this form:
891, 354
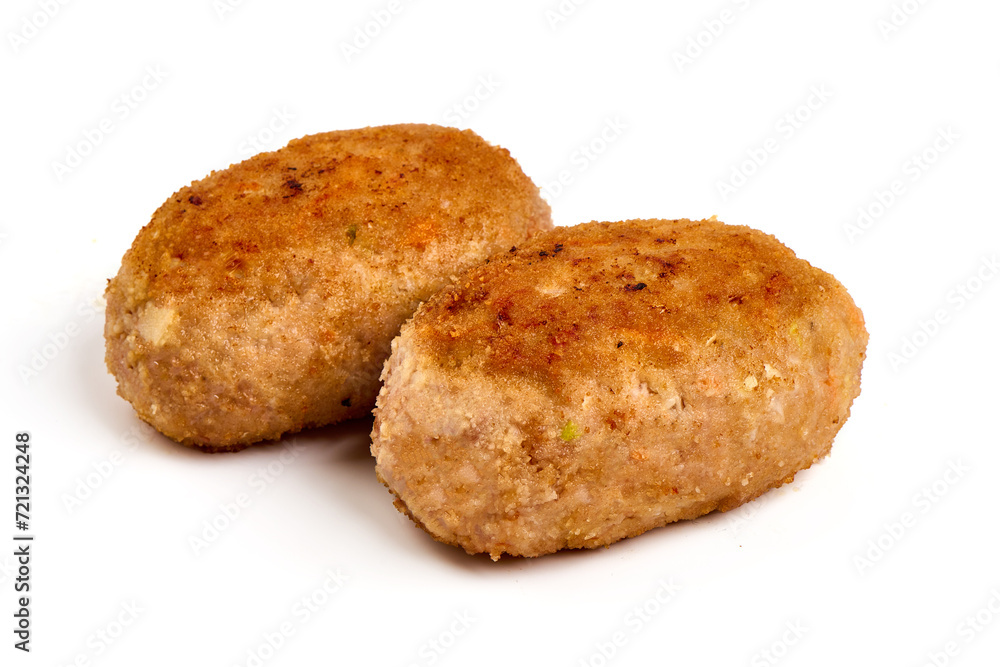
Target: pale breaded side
605, 379
262, 299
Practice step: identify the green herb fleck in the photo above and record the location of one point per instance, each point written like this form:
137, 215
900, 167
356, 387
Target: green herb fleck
570, 431
352, 234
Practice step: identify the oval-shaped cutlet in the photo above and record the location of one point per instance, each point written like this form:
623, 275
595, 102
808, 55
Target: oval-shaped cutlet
605, 379
262, 299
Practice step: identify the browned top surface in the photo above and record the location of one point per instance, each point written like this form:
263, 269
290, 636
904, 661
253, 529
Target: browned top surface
653, 292
382, 194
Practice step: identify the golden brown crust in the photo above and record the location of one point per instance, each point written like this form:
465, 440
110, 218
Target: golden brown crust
605, 379
262, 299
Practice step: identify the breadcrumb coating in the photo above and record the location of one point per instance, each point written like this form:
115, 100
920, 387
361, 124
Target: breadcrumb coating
262, 299
605, 379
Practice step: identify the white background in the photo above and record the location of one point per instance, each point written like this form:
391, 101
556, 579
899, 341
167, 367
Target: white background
878, 555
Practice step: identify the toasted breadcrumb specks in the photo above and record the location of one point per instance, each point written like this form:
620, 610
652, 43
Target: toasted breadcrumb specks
262, 299
601, 410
